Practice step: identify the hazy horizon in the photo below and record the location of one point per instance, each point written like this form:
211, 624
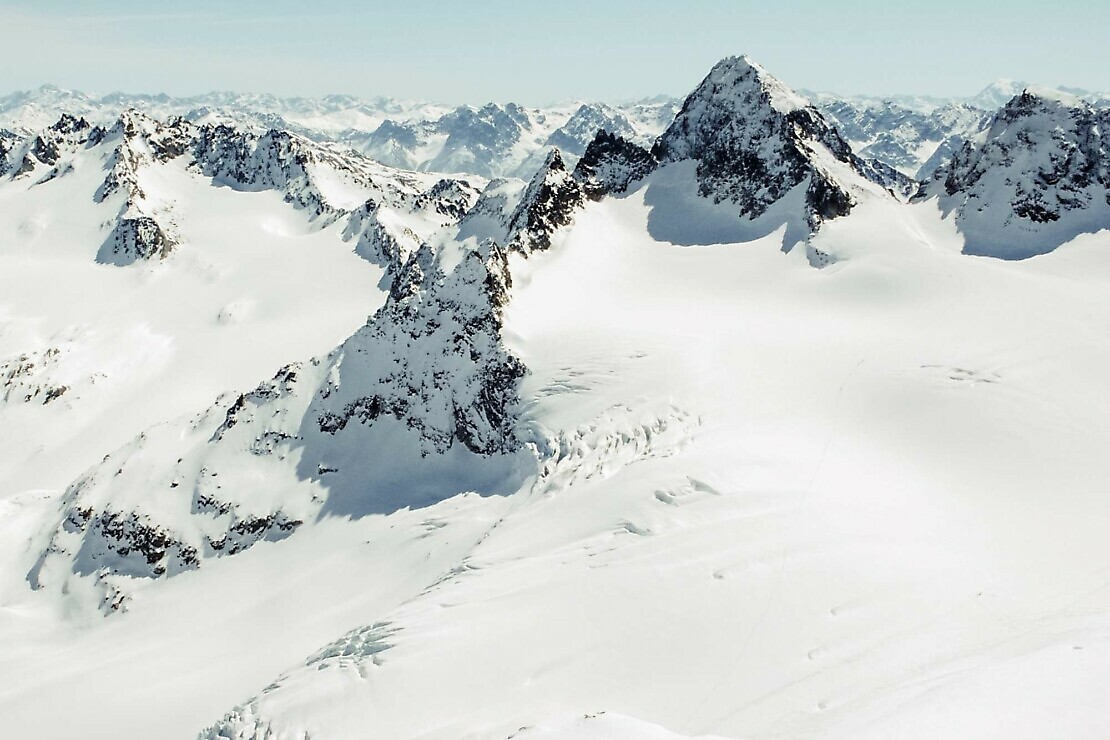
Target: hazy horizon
535, 54
97, 94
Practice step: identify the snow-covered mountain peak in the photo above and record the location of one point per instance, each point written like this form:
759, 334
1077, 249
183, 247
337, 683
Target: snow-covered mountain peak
755, 141
1037, 177
1033, 100
744, 76
597, 427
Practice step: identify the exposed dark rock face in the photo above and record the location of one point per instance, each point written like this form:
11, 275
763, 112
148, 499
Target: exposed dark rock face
431, 359
1038, 177
277, 160
1063, 148
387, 245
450, 198
135, 546
26, 378
610, 164
478, 139
245, 533
136, 238
754, 141
826, 200
548, 203
893, 180
109, 544
449, 318
46, 148
141, 231
242, 409
8, 143
385, 241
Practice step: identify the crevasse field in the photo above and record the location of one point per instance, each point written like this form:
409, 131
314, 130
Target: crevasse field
847, 483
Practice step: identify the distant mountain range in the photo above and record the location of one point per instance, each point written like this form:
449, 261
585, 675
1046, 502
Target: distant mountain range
751, 413
911, 134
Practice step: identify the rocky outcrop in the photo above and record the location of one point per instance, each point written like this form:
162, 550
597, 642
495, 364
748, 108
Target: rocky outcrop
548, 203
1036, 178
450, 198
479, 140
23, 155
426, 379
29, 378
136, 237
143, 230
382, 235
610, 164
119, 522
276, 160
8, 144
754, 140
432, 358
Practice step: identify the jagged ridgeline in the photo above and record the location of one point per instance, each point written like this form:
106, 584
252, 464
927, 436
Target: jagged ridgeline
422, 402
1037, 177
413, 407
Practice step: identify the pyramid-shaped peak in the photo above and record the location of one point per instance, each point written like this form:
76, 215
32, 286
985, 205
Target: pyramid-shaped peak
742, 74
552, 162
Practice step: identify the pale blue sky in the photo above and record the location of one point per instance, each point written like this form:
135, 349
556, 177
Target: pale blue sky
538, 52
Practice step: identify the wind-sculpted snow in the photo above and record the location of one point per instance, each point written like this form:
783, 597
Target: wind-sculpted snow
1036, 178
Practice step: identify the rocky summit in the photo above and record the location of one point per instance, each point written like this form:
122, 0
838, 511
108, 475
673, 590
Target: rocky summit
747, 413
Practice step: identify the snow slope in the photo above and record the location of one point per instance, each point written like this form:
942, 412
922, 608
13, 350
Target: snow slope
610, 459
1036, 178
793, 502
